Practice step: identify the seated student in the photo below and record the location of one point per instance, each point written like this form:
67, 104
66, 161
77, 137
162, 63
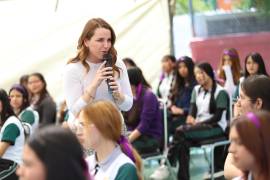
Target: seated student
144, 119
254, 65
19, 102
11, 139
249, 136
41, 100
250, 99
100, 129
181, 93
129, 62
167, 77
53, 153
207, 119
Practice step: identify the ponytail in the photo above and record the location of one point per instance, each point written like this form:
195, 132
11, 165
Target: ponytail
132, 154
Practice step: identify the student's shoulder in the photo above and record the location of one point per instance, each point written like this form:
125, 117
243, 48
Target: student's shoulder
127, 171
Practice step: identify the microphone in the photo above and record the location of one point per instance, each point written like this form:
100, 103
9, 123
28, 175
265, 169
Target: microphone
108, 58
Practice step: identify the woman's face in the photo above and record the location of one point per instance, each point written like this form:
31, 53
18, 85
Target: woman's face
251, 66
242, 157
167, 65
99, 44
244, 103
16, 99
183, 70
35, 85
227, 60
201, 77
31, 168
88, 134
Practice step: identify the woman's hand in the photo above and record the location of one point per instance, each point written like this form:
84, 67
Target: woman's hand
102, 73
176, 110
117, 95
190, 120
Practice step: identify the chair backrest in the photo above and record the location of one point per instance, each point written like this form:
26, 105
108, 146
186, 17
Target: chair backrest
163, 107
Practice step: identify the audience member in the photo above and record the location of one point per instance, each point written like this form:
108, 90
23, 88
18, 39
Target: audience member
12, 139
250, 145
114, 157
207, 119
53, 153
40, 99
250, 99
181, 93
20, 104
167, 78
229, 70
254, 64
129, 62
144, 119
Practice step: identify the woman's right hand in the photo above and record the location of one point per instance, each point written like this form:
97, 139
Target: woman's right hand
102, 73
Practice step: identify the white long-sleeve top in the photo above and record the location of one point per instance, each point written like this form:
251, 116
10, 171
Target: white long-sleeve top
76, 81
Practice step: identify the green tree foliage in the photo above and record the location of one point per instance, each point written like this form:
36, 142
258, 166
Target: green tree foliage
182, 6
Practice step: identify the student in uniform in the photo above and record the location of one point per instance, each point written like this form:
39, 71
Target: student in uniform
19, 102
100, 130
11, 139
53, 153
249, 136
207, 119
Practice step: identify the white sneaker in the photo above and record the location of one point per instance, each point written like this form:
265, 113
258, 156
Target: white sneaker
160, 173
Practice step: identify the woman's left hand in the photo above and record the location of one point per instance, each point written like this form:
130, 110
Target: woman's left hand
117, 95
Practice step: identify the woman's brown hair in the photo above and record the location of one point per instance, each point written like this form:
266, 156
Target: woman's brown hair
87, 34
253, 129
236, 67
107, 119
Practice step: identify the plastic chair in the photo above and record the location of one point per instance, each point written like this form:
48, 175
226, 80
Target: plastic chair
162, 155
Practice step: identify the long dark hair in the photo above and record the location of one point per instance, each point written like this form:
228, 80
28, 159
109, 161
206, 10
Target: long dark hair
44, 92
257, 58
60, 152
136, 77
258, 86
180, 82
207, 68
23, 91
7, 110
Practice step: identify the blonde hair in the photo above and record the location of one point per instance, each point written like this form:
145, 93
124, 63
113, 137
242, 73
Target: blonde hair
107, 119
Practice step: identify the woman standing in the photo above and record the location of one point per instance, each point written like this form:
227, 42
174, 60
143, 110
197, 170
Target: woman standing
86, 77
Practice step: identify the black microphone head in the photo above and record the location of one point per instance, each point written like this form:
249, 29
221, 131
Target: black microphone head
108, 58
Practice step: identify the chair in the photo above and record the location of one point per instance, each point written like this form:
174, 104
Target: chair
162, 155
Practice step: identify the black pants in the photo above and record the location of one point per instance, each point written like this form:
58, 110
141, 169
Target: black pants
187, 136
146, 144
8, 169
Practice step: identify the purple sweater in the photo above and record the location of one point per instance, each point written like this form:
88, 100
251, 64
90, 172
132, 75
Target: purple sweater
150, 122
